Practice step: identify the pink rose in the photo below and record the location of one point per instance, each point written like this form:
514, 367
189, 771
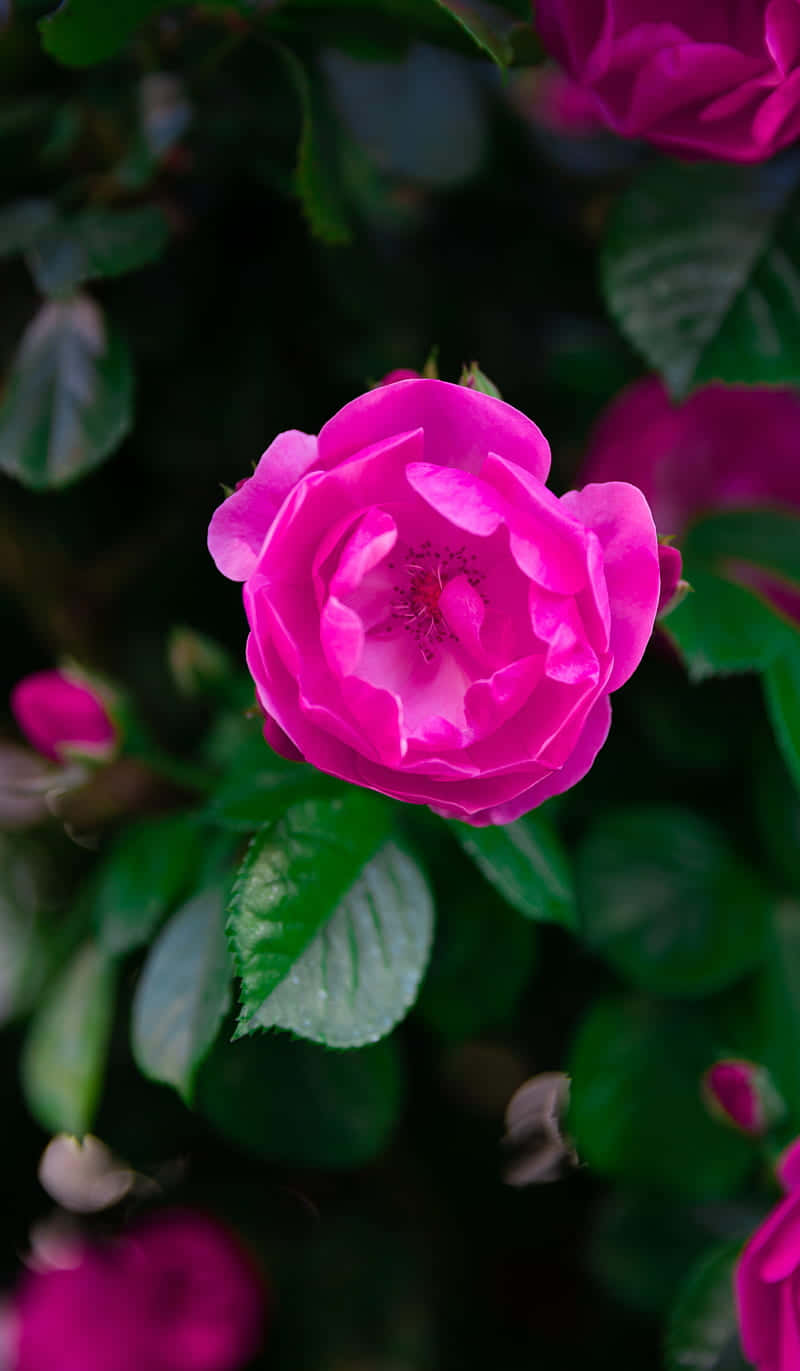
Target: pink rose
767, 1276
426, 618
175, 1293
724, 447
62, 714
703, 77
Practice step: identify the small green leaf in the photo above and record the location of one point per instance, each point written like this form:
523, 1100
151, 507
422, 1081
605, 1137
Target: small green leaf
526, 863
316, 178
147, 870
475, 379
486, 24
362, 971
635, 1107
68, 401
699, 271
287, 1100
482, 960
782, 692
96, 243
23, 222
82, 32
184, 993
664, 898
293, 877
63, 1058
702, 1334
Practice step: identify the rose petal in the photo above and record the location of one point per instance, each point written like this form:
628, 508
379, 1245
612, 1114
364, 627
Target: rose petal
239, 525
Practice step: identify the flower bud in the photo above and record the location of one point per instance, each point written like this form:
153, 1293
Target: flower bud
400, 374
197, 664
64, 715
741, 1094
673, 588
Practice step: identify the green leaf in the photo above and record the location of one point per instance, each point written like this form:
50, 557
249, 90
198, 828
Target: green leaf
96, 243
702, 1334
82, 32
699, 271
291, 881
721, 628
362, 971
767, 538
184, 993
636, 1111
526, 863
777, 813
287, 1100
780, 1005
640, 1248
316, 178
245, 802
29, 898
665, 899
147, 870
487, 25
482, 959
472, 377
63, 1058
23, 222
68, 401
782, 693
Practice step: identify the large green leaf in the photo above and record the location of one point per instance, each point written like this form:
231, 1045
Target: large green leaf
290, 1101
636, 1110
702, 1334
64, 1055
482, 959
148, 869
294, 876
96, 243
68, 401
316, 178
526, 863
362, 971
184, 992
699, 271
668, 903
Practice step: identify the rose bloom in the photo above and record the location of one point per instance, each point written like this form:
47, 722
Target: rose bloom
767, 1276
176, 1292
426, 618
709, 78
61, 714
725, 447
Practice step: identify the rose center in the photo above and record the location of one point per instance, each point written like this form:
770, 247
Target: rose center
415, 607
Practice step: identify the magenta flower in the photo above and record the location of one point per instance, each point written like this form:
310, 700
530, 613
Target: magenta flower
426, 618
175, 1293
711, 79
767, 1277
724, 447
741, 1094
399, 374
63, 715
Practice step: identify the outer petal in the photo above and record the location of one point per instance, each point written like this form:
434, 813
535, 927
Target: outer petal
788, 1167
461, 426
239, 525
579, 762
621, 518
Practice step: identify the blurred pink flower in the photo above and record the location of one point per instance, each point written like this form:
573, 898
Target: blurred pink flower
400, 374
741, 1094
63, 715
426, 618
767, 1277
724, 447
175, 1293
712, 79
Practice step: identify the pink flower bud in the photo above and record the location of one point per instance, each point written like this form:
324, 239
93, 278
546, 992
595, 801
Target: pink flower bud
741, 1094
401, 374
63, 715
